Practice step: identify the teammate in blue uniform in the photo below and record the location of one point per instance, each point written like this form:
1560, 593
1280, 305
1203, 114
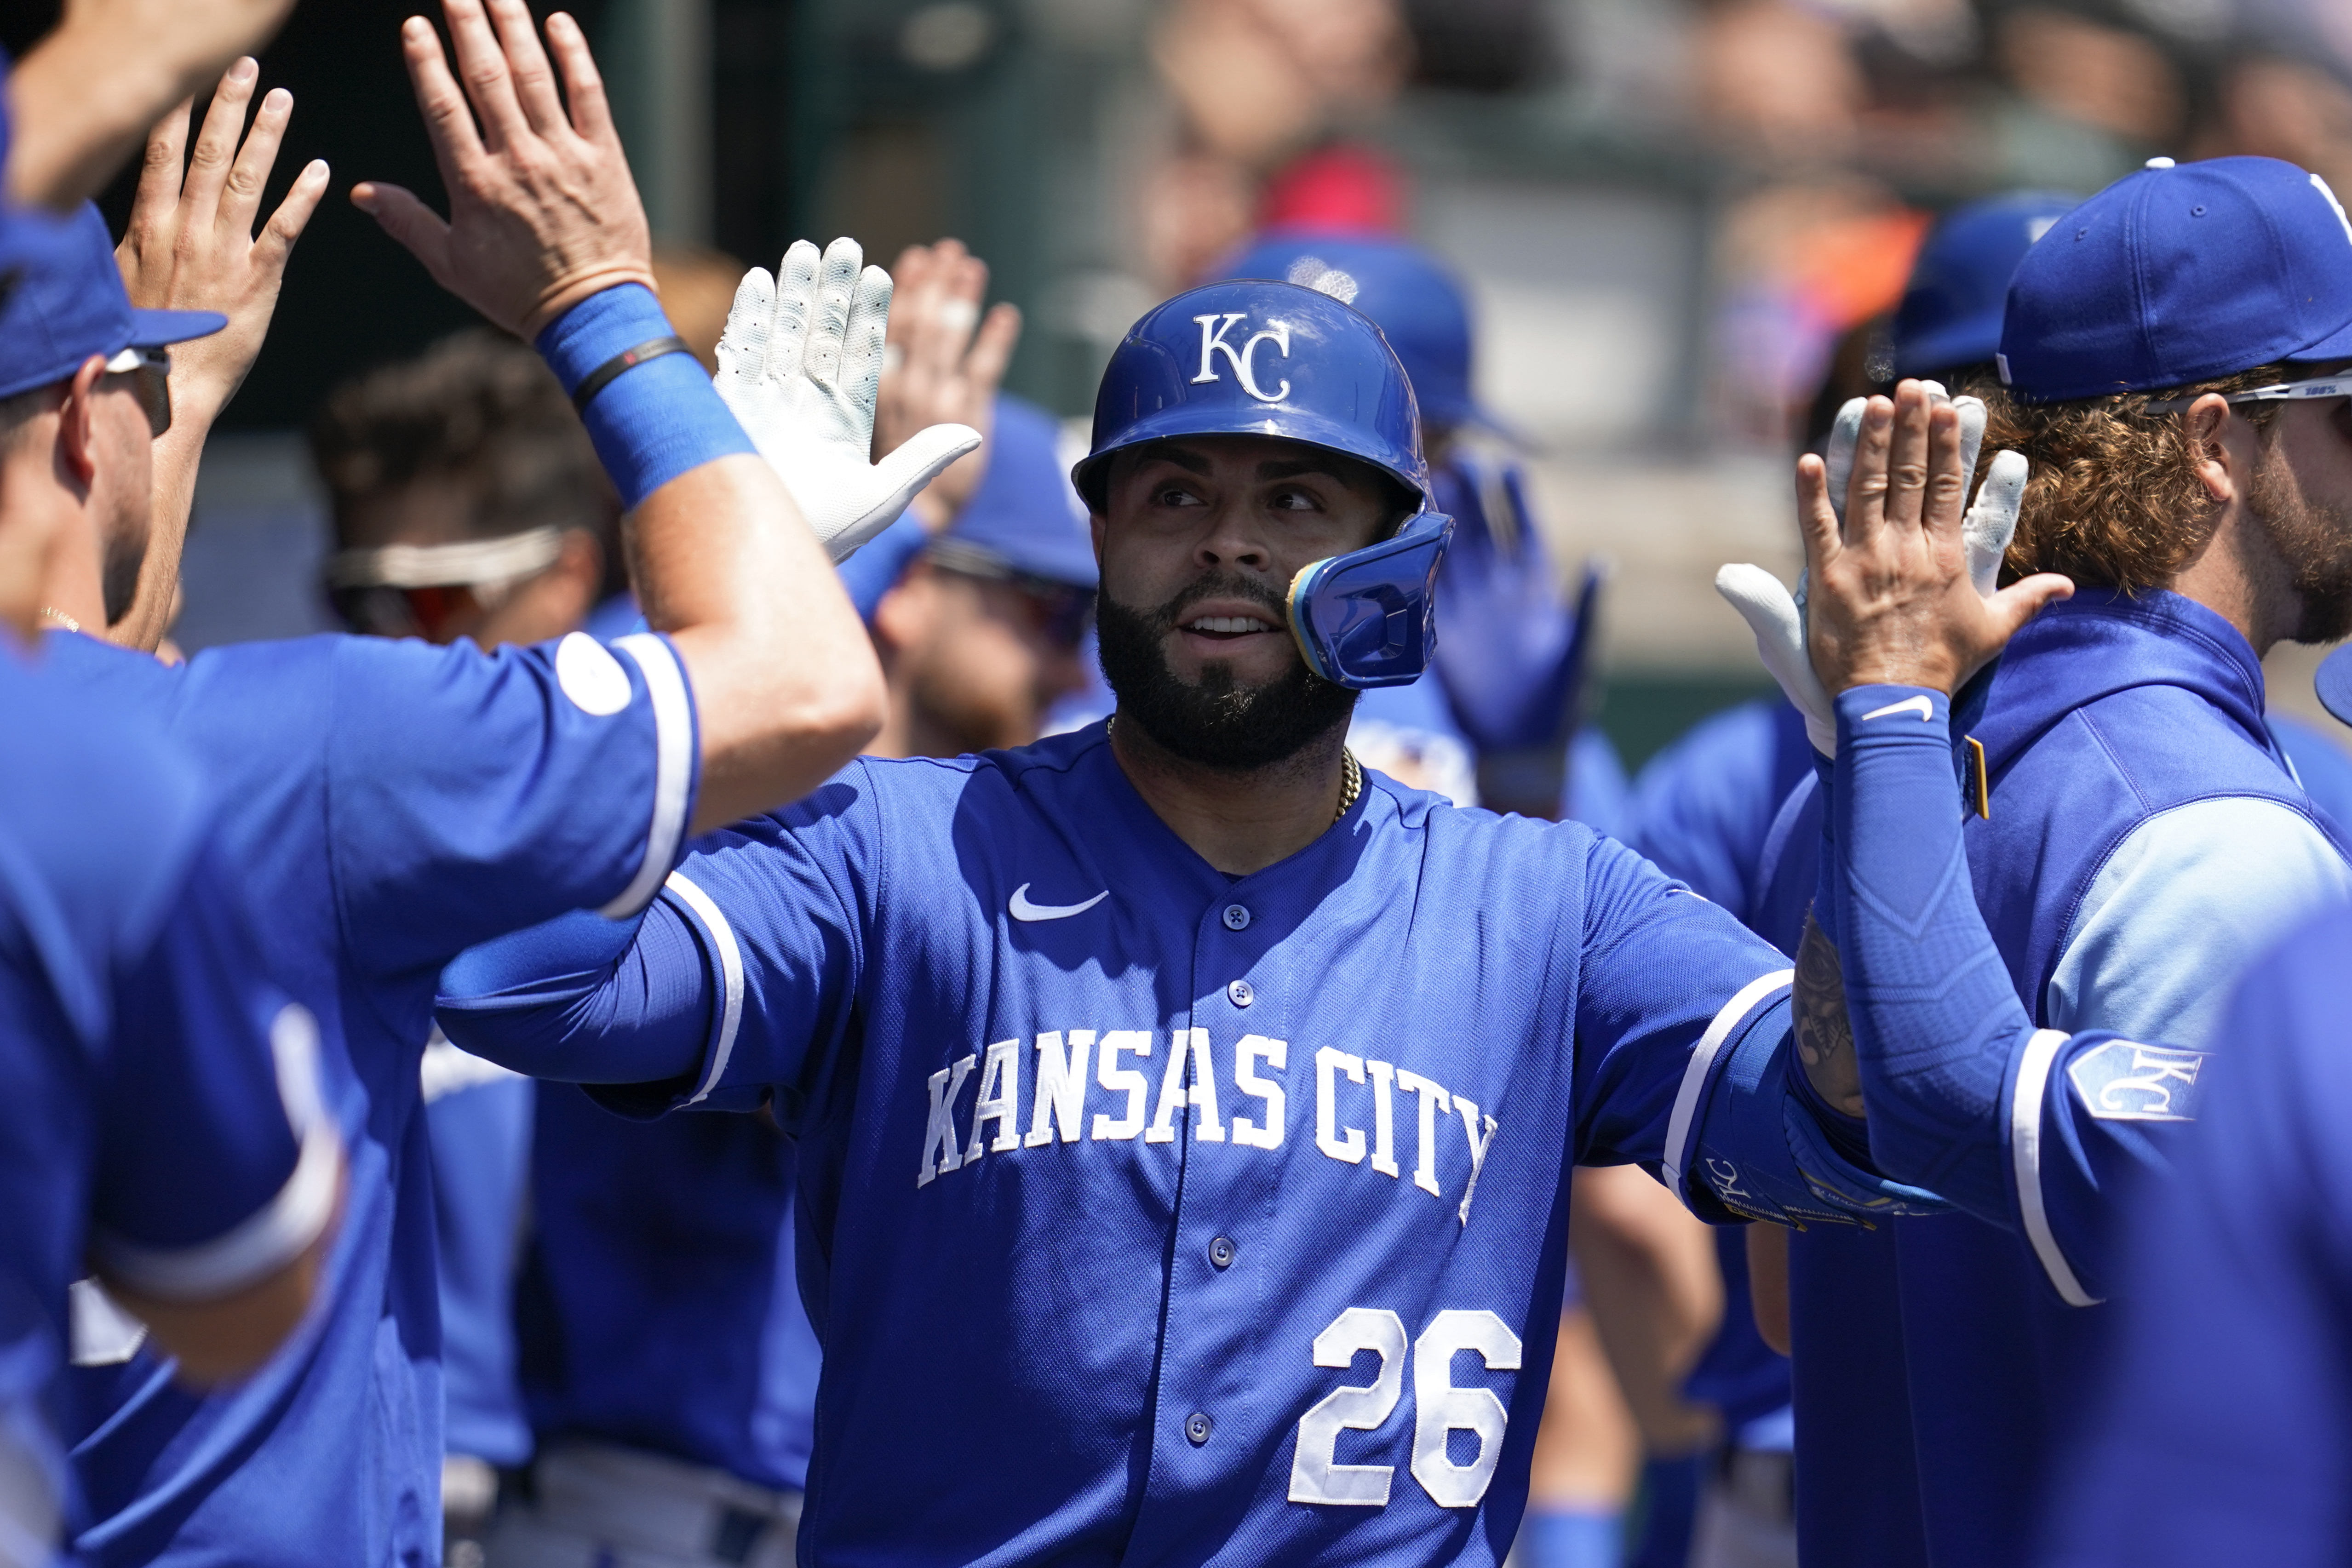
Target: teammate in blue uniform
1499, 725
1148, 1080
388, 803
2140, 836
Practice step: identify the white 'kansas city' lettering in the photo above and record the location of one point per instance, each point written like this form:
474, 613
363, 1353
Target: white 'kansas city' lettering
1349, 1090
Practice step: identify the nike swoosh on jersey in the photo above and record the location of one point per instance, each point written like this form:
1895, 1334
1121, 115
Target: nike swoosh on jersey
1022, 909
1919, 705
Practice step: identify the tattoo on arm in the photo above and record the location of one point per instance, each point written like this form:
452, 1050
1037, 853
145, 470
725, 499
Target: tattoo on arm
1824, 1033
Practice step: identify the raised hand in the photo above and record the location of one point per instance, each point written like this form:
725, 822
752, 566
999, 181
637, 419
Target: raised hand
191, 244
1778, 616
542, 211
86, 93
944, 363
799, 364
1894, 597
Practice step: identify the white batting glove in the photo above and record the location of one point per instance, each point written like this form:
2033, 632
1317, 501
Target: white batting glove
1777, 616
799, 364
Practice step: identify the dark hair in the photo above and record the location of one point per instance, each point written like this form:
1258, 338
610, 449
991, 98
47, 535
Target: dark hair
479, 410
2113, 495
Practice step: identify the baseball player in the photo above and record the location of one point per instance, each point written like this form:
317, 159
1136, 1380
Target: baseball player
1514, 659
2136, 836
1158, 1087
1709, 807
159, 1118
388, 803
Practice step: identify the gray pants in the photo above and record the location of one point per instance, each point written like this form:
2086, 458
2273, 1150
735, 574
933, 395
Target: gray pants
602, 1506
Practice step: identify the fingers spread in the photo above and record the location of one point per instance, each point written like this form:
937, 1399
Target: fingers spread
1906, 462
592, 115
250, 172
293, 214
208, 164
408, 221
448, 123
1866, 493
1844, 437
795, 309
992, 350
829, 323
862, 343
482, 66
534, 79
160, 173
750, 322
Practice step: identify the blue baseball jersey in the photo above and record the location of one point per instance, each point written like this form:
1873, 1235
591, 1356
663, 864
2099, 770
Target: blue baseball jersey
2221, 1427
660, 1305
385, 804
159, 1109
1157, 1215
477, 1119
1703, 807
2139, 836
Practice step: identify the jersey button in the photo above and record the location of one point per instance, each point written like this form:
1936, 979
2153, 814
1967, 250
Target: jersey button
1239, 993
1221, 1251
1197, 1427
1236, 919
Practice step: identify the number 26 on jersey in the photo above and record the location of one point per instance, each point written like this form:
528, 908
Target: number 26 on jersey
1439, 1407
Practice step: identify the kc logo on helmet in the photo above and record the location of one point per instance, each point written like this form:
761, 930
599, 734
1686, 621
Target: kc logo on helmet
1213, 328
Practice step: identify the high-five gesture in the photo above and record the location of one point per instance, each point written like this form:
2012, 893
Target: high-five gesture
1893, 598
191, 245
799, 364
1778, 615
542, 212
944, 362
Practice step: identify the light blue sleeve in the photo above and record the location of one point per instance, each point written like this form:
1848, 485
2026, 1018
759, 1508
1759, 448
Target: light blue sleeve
2187, 901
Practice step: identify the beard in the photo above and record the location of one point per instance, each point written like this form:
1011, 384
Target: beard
1219, 722
2315, 542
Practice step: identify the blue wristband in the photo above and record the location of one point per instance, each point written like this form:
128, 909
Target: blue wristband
657, 420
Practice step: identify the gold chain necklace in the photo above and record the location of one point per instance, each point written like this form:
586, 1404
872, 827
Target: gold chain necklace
1351, 784
61, 617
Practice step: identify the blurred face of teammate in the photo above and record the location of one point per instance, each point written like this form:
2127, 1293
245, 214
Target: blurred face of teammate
534, 609
1202, 537
121, 485
979, 661
2301, 497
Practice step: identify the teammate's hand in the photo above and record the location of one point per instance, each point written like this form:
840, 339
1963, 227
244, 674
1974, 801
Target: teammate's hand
1777, 616
943, 365
87, 91
190, 245
1894, 598
799, 365
542, 212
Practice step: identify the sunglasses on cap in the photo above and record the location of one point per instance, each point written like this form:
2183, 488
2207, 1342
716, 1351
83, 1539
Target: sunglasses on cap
2277, 392
151, 368
1061, 611
420, 591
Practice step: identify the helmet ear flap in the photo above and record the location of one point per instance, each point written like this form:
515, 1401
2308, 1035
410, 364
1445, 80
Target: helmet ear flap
1366, 619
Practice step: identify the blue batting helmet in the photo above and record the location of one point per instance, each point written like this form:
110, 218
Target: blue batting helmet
1417, 301
1280, 361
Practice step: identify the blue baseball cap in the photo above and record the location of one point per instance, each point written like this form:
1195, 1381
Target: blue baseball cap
1952, 308
1025, 517
2182, 273
69, 303
1418, 304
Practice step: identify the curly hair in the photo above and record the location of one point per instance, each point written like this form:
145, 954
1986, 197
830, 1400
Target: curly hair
2112, 496
479, 409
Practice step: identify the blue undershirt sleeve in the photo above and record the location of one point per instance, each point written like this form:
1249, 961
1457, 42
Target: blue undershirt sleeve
2032, 1130
584, 999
